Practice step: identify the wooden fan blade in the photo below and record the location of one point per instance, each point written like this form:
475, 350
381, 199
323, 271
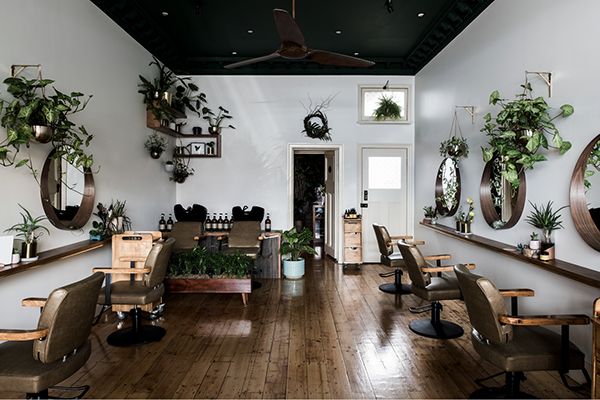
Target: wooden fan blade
287, 28
253, 60
340, 60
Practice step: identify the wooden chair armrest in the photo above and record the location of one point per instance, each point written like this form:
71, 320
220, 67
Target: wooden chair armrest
401, 237
223, 237
415, 242
517, 292
15, 335
34, 302
444, 268
436, 257
135, 259
538, 320
133, 271
261, 237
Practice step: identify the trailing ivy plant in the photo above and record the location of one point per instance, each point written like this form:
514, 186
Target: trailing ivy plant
30, 106
520, 131
592, 165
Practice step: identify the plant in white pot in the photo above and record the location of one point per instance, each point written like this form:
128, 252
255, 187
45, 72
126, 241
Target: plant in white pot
293, 245
29, 230
534, 242
545, 218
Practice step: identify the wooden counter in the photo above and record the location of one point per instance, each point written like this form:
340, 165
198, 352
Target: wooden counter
572, 271
49, 256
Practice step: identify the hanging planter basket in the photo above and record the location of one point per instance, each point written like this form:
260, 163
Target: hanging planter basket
455, 146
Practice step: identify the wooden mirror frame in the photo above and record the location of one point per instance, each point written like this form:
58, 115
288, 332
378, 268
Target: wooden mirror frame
582, 218
85, 208
487, 205
439, 191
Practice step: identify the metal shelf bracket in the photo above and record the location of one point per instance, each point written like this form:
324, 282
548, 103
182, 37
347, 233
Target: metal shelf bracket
545, 76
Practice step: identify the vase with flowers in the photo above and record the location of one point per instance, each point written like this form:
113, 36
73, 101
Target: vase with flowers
465, 218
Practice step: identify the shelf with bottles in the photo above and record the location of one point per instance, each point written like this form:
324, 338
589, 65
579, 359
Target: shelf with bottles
165, 225
214, 226
202, 146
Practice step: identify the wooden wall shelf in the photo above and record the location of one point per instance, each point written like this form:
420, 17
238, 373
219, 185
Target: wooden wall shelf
49, 256
572, 271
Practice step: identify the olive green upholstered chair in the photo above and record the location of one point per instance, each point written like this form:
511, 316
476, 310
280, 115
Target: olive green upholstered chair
148, 290
391, 258
515, 343
33, 361
244, 238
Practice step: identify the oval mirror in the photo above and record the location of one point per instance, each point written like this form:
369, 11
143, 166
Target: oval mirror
585, 194
67, 193
447, 187
501, 204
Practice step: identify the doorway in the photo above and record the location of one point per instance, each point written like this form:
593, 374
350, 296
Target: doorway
385, 194
313, 193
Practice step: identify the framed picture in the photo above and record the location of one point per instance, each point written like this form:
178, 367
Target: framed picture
383, 106
197, 148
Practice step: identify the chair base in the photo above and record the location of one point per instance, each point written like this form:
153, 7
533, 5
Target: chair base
129, 337
44, 394
499, 393
392, 288
436, 330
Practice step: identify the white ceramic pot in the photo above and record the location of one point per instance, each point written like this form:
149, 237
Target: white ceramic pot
16, 258
293, 269
169, 167
534, 244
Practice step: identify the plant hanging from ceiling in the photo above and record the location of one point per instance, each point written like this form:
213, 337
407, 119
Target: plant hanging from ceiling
520, 131
33, 116
316, 125
456, 145
387, 109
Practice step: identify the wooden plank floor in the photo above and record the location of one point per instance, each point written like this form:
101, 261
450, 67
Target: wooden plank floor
332, 334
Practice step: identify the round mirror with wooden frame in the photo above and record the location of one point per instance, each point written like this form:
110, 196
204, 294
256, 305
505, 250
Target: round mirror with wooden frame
447, 187
501, 204
67, 193
585, 194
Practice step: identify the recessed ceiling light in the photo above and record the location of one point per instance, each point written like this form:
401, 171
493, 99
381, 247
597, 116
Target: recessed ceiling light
234, 53
164, 14
250, 31
421, 14
356, 53
338, 32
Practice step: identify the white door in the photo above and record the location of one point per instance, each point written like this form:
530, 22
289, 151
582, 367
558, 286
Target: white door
384, 195
330, 220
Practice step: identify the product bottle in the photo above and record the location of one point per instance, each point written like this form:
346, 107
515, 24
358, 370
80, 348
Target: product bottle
207, 223
220, 222
226, 223
214, 222
268, 223
231, 223
170, 223
162, 224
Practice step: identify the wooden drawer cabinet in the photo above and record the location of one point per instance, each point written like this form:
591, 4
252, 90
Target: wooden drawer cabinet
352, 241
596, 351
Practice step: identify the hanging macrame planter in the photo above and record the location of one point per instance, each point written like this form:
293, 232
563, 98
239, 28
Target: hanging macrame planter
455, 146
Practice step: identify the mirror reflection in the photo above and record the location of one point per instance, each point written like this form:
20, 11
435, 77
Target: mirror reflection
591, 181
502, 203
447, 191
65, 188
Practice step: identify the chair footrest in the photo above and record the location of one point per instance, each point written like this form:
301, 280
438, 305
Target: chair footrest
386, 274
419, 310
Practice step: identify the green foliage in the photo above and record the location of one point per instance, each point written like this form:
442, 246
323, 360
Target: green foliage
533, 236
521, 130
156, 142
29, 108
30, 229
186, 97
592, 165
215, 120
387, 109
430, 211
295, 243
455, 147
543, 217
199, 262
181, 171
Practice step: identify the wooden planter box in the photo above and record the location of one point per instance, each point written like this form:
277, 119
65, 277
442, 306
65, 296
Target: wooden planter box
242, 286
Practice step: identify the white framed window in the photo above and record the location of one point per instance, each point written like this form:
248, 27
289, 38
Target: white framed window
371, 98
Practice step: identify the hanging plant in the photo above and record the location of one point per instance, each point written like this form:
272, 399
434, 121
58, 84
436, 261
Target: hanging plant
316, 125
387, 109
155, 144
520, 131
181, 171
456, 145
592, 165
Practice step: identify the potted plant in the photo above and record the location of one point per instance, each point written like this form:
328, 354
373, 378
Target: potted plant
16, 256
293, 245
181, 172
534, 242
155, 144
519, 132
456, 147
545, 218
119, 222
465, 219
100, 228
186, 98
430, 214
215, 120
387, 109
32, 115
30, 231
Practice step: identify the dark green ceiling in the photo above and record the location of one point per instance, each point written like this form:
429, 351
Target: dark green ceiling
199, 36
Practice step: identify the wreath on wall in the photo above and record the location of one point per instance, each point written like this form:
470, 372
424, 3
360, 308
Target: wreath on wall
316, 125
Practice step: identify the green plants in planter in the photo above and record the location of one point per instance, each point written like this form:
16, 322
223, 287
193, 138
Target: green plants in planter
156, 144
592, 165
294, 244
100, 229
430, 213
118, 221
186, 97
30, 230
520, 131
387, 109
548, 220
216, 120
198, 263
34, 116
181, 171
455, 147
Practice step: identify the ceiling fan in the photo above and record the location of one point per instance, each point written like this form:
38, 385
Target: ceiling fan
293, 47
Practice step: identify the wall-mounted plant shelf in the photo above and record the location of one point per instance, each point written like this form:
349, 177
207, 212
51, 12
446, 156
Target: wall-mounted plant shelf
153, 123
572, 271
198, 146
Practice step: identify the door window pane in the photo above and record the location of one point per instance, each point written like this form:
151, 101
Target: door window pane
385, 172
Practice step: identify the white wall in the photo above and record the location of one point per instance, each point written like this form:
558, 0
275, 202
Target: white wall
268, 116
81, 49
508, 38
